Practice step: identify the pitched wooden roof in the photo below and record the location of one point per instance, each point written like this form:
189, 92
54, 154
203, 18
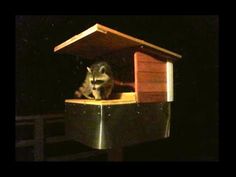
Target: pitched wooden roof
99, 40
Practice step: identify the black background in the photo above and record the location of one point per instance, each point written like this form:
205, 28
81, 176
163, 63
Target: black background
44, 79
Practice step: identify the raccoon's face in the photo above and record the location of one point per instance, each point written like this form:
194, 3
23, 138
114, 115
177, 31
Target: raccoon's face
98, 77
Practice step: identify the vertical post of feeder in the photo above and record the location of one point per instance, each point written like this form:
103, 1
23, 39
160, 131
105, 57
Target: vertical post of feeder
170, 81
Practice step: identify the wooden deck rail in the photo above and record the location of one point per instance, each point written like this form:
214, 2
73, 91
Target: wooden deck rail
38, 143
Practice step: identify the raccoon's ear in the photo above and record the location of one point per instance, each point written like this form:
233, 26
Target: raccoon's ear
102, 70
89, 70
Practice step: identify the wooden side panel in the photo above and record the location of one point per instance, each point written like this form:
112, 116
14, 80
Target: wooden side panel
149, 97
151, 87
150, 78
144, 66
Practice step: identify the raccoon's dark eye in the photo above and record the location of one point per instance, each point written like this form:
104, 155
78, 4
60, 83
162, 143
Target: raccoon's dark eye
102, 70
99, 81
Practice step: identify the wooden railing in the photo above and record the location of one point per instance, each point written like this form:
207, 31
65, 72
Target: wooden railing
39, 140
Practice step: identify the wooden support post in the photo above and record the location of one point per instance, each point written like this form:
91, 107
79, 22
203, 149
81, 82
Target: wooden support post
39, 139
115, 154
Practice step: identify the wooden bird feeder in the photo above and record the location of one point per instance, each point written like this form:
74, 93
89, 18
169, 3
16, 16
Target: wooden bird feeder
139, 115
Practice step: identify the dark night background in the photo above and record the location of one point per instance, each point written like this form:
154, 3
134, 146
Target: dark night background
44, 79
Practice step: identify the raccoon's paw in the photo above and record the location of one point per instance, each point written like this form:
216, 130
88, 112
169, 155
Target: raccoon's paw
89, 97
77, 94
98, 99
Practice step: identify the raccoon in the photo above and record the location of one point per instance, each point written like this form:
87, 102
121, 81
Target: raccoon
98, 82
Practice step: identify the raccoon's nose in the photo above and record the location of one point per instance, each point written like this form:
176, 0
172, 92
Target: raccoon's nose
94, 88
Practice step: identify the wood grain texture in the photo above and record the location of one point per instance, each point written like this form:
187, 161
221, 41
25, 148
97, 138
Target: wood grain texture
150, 78
99, 40
148, 97
151, 66
145, 57
148, 70
151, 87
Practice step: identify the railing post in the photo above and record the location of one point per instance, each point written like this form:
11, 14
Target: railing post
39, 139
